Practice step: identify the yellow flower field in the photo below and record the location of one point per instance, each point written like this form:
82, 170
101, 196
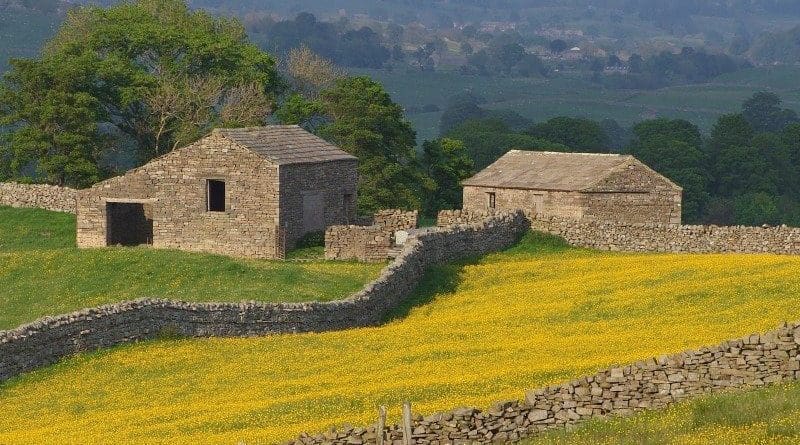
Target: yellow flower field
516, 320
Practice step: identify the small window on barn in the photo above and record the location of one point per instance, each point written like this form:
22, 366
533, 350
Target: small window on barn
215, 195
492, 200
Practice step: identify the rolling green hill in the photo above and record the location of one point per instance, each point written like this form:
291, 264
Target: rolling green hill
42, 273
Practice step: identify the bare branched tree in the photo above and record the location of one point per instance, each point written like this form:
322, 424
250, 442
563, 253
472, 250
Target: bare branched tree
182, 109
311, 73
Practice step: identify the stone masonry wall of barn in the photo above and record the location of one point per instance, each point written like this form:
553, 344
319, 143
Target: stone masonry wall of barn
633, 195
335, 181
651, 200
50, 339
175, 186
543, 202
40, 196
752, 361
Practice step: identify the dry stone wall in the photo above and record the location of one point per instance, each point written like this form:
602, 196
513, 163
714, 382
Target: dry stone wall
752, 361
40, 196
370, 243
362, 243
50, 339
668, 238
654, 237
394, 219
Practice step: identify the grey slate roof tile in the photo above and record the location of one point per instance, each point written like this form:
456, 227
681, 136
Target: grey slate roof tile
285, 144
539, 170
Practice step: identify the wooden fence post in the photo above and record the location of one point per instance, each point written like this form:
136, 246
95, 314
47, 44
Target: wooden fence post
407, 424
381, 429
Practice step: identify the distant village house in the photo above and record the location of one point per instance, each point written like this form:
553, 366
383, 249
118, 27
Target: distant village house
577, 186
251, 192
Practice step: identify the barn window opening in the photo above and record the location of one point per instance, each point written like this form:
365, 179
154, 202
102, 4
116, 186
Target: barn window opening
215, 195
492, 200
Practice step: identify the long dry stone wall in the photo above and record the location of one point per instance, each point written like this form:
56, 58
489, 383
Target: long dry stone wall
666, 238
753, 361
40, 196
654, 237
50, 339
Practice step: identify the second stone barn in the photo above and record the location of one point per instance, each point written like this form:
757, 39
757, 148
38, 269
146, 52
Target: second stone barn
577, 186
250, 192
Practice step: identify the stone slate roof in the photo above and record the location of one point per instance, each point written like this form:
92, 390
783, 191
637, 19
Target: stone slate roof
285, 144
541, 170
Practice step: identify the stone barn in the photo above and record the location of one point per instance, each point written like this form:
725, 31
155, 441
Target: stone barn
250, 192
577, 186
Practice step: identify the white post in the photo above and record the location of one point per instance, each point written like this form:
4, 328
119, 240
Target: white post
380, 431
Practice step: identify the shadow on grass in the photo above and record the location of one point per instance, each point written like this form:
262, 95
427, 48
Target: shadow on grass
444, 279
438, 280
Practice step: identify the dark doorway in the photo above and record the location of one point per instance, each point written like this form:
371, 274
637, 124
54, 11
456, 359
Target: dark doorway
129, 224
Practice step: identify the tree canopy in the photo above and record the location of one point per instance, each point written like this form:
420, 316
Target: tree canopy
137, 78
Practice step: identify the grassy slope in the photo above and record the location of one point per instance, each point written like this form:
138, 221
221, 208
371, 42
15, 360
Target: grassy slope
540, 99
534, 315
763, 416
42, 273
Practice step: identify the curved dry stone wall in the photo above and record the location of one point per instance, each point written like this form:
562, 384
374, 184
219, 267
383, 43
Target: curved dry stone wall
50, 339
753, 361
40, 196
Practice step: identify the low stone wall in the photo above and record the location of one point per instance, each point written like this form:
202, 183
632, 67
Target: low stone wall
50, 339
654, 237
752, 361
362, 243
450, 217
40, 196
395, 220
666, 238
370, 243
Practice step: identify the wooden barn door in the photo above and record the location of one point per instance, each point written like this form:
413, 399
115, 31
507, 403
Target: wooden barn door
313, 212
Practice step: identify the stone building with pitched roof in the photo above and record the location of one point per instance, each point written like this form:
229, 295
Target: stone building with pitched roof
577, 186
250, 192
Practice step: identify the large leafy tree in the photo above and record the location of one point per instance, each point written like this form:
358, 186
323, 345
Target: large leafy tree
488, 139
764, 113
582, 135
364, 121
674, 149
151, 75
447, 164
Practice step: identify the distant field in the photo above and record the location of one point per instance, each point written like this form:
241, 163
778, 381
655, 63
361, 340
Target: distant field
763, 416
540, 99
42, 273
537, 314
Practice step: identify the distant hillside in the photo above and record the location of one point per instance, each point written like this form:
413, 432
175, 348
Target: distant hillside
781, 47
25, 25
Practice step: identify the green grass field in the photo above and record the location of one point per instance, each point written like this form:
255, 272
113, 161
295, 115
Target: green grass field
540, 99
763, 416
42, 273
539, 313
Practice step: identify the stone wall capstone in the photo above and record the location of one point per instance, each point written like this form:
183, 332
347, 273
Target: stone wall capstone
40, 196
752, 361
48, 340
